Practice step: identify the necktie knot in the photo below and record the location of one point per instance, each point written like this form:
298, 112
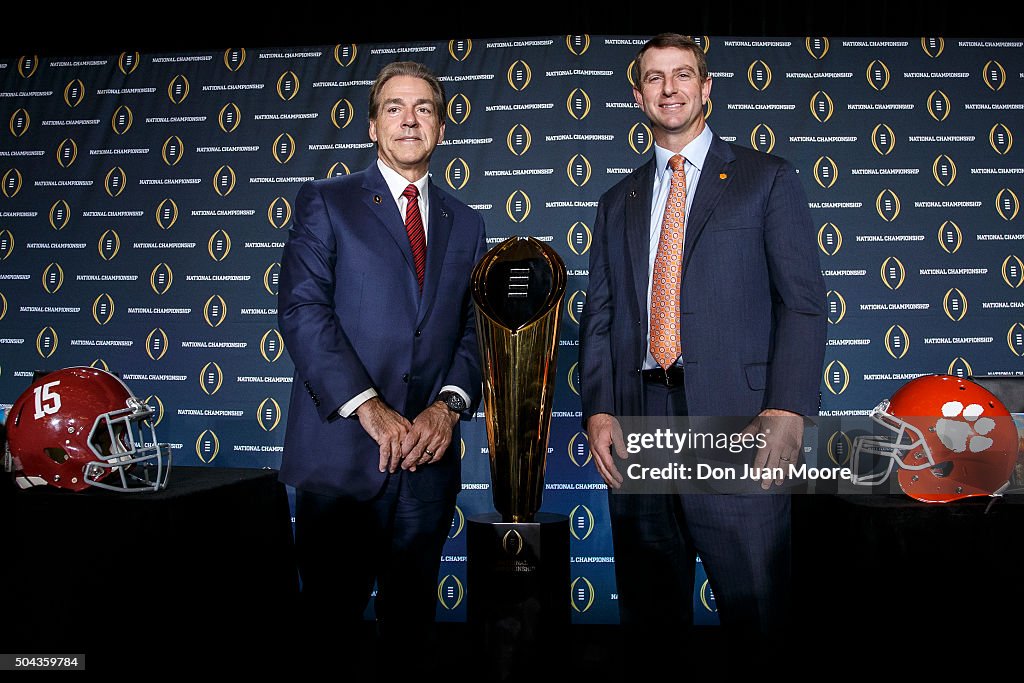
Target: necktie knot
411, 192
677, 162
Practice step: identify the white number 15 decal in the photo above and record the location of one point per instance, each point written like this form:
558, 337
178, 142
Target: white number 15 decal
47, 401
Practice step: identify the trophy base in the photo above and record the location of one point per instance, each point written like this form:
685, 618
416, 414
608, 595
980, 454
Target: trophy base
518, 591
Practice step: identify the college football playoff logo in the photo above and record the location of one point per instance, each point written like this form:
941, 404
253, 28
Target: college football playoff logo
219, 245
578, 104
893, 273
271, 345
344, 55
897, 341
459, 107
517, 206
177, 89
883, 139
816, 47
224, 180
287, 86
215, 310
279, 212
581, 522
234, 58
994, 75
938, 105
60, 214
268, 414
128, 62
342, 114
456, 174
1013, 271
115, 181
837, 377
578, 44
156, 344
122, 120
518, 139
109, 245
1007, 204
103, 309
211, 378
19, 122
67, 152
172, 151
229, 117
1001, 139
955, 304
878, 75
519, 75
283, 148
578, 169
166, 214
11, 183
836, 306
579, 450
950, 237
822, 106
759, 75
579, 238
887, 204
762, 138
944, 170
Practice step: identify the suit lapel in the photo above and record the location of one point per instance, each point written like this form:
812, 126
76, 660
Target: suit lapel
714, 178
378, 198
439, 230
638, 229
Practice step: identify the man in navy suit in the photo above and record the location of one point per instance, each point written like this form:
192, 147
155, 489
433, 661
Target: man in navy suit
376, 314
744, 336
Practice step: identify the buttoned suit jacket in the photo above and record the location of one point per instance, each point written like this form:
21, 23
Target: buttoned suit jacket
752, 299
352, 317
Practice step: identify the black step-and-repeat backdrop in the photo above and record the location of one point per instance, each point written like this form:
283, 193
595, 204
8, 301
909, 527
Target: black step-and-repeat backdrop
145, 200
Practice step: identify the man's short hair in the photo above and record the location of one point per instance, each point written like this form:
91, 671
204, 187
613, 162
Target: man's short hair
663, 40
414, 69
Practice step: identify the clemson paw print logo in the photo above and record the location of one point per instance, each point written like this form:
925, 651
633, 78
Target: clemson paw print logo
962, 428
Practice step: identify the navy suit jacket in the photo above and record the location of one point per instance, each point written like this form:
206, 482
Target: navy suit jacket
752, 303
352, 317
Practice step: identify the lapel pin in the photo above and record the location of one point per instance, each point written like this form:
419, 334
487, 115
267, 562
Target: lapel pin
377, 199
632, 194
723, 176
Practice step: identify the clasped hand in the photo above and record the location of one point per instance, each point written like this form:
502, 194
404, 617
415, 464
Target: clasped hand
407, 444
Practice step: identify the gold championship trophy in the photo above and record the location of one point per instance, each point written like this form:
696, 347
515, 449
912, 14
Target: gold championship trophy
518, 558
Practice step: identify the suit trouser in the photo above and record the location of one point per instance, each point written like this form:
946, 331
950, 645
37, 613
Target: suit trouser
395, 539
743, 542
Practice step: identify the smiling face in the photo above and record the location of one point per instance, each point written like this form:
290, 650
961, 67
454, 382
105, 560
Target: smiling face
407, 126
672, 94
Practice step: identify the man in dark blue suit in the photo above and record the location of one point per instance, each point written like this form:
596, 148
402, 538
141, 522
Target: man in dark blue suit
376, 314
705, 299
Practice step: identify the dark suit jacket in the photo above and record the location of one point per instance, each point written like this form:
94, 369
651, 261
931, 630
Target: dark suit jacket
352, 317
752, 297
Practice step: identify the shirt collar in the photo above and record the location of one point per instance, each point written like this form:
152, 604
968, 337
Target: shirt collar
397, 183
695, 152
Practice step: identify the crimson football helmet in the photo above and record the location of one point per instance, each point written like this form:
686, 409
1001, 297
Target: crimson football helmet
949, 438
81, 427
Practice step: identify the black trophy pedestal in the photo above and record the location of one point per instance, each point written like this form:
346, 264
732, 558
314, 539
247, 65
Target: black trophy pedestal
518, 592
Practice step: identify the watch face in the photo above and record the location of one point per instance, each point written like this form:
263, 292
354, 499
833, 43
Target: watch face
454, 401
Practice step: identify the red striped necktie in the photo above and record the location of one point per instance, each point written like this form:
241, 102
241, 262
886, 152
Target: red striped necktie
414, 228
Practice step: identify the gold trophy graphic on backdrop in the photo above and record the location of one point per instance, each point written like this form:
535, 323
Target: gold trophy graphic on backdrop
518, 287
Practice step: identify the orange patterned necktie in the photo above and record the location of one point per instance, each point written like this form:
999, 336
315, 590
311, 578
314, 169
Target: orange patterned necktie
668, 265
